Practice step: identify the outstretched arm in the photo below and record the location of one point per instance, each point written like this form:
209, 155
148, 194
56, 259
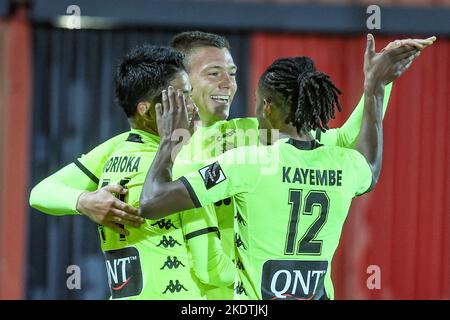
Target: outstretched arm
58, 194
73, 190
379, 69
346, 135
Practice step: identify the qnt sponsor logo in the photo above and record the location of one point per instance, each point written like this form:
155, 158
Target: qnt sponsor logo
123, 267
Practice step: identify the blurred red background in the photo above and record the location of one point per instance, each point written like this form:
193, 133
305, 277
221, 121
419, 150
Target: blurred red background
403, 225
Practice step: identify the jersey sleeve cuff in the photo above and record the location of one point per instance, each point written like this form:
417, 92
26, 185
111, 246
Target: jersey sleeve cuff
371, 186
372, 182
76, 197
191, 192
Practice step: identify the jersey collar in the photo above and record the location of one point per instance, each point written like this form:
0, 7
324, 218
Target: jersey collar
140, 136
304, 145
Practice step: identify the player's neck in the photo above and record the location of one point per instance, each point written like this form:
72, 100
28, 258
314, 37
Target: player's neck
141, 125
291, 133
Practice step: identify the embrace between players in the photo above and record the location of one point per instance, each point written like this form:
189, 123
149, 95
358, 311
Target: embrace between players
220, 224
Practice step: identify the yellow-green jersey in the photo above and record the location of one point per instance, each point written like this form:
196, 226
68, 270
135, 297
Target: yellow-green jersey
74, 179
152, 261
71, 181
207, 143
292, 200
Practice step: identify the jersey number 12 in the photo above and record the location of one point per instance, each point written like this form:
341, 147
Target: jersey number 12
307, 243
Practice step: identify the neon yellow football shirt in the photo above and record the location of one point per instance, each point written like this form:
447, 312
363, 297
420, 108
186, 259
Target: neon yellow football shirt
152, 261
84, 173
292, 199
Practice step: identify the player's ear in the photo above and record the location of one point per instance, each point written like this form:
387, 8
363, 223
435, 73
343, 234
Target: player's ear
267, 107
143, 108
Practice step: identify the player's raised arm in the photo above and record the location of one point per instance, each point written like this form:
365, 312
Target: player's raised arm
346, 135
379, 69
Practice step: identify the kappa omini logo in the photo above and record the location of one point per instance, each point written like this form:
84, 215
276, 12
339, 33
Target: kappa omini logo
173, 287
164, 224
239, 289
212, 175
172, 263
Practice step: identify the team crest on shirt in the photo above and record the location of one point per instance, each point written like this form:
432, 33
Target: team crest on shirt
212, 175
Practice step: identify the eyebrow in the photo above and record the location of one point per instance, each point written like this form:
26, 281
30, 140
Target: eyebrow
220, 67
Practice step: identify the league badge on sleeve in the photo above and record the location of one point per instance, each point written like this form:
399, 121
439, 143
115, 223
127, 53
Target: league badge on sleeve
212, 175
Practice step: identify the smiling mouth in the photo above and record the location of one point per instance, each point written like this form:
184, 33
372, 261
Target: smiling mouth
221, 99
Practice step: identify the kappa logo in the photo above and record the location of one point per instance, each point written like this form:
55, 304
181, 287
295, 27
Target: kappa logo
239, 289
175, 263
163, 224
240, 219
294, 280
171, 242
123, 267
225, 202
212, 175
239, 264
174, 287
239, 242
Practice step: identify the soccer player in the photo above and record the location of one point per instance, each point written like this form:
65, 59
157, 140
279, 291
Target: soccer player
290, 221
150, 261
212, 75
212, 72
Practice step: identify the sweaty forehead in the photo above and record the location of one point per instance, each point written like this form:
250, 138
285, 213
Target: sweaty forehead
205, 57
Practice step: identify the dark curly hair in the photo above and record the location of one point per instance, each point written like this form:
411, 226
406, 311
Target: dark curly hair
310, 95
144, 72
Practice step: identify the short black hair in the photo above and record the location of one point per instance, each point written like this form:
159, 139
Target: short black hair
144, 72
187, 41
310, 95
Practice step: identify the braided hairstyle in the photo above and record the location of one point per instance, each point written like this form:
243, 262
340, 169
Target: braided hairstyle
310, 95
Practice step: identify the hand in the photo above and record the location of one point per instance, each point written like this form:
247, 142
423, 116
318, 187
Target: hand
105, 209
386, 66
418, 43
193, 115
172, 115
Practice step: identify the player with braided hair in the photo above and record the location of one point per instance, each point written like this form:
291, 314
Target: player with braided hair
297, 80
